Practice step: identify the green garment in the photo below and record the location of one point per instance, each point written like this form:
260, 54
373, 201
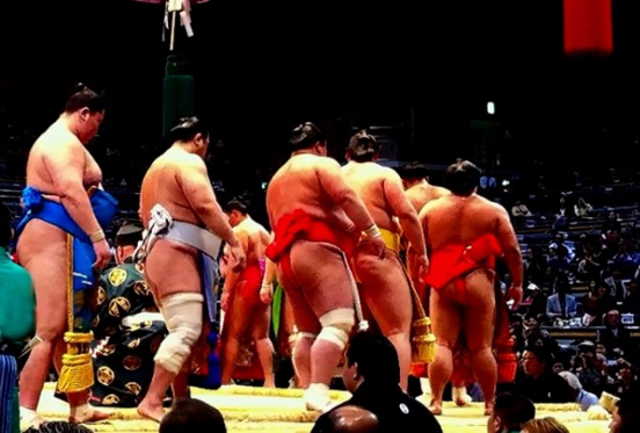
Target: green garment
17, 301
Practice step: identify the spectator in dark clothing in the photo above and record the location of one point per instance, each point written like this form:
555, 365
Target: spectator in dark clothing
627, 378
541, 384
626, 418
590, 375
611, 223
537, 301
510, 413
537, 268
349, 419
615, 335
632, 302
605, 303
372, 375
537, 336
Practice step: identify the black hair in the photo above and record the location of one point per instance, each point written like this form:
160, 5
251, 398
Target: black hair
376, 357
413, 170
237, 203
82, 97
541, 353
363, 147
514, 410
462, 177
187, 129
190, 415
306, 135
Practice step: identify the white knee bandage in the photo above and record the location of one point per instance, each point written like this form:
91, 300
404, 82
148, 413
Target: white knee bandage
336, 326
183, 316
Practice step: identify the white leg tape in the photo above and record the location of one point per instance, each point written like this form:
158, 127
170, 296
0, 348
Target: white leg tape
336, 326
334, 335
183, 316
339, 317
295, 337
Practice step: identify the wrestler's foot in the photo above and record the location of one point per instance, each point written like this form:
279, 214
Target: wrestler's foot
435, 407
460, 396
155, 413
269, 384
488, 409
29, 418
316, 397
87, 414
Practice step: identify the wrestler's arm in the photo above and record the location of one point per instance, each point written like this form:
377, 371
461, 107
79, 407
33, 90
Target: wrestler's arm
332, 181
232, 275
197, 188
404, 210
510, 247
66, 168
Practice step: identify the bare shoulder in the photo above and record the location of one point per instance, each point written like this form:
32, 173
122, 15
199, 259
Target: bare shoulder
191, 159
389, 173
186, 163
324, 162
58, 140
497, 208
441, 191
431, 205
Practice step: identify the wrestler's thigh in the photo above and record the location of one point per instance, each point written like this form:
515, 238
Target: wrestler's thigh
480, 307
260, 320
300, 313
171, 268
323, 275
446, 319
387, 293
46, 262
287, 321
239, 314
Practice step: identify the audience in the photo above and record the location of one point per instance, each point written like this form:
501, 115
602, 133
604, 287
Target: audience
189, 415
541, 384
544, 425
348, 419
372, 375
510, 413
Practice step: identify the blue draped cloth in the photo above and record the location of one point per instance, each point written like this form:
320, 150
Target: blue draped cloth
105, 207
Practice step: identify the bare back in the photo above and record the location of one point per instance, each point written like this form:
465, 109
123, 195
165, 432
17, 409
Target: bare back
454, 219
297, 185
368, 181
178, 181
254, 239
421, 194
163, 185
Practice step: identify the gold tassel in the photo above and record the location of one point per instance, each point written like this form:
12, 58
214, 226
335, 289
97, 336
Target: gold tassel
76, 374
423, 347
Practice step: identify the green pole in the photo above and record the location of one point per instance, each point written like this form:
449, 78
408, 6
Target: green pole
178, 92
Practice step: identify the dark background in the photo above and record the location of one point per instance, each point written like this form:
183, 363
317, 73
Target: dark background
422, 70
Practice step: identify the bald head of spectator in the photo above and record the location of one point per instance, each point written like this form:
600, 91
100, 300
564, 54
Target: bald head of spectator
349, 419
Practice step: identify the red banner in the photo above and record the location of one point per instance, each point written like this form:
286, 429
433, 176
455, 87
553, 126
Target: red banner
588, 27
193, 2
